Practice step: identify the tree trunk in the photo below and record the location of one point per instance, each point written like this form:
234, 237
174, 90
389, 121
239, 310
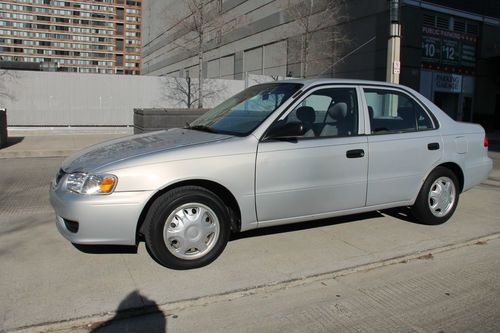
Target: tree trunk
305, 54
307, 38
200, 74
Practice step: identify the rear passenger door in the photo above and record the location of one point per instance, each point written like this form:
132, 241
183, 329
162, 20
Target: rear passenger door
403, 145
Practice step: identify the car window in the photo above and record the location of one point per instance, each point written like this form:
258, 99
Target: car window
424, 122
329, 112
245, 111
394, 112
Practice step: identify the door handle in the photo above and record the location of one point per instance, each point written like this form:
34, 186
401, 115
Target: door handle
355, 153
433, 146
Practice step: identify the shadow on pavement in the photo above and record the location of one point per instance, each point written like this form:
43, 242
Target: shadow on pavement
14, 140
148, 318
401, 213
305, 225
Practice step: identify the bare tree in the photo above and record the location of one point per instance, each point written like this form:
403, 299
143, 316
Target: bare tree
202, 23
6, 78
186, 91
318, 18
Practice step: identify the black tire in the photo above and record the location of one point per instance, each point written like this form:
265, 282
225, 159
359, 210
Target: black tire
165, 206
422, 210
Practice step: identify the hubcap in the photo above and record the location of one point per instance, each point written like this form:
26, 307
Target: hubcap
442, 196
191, 231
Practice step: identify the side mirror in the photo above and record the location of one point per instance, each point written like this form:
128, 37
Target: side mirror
290, 130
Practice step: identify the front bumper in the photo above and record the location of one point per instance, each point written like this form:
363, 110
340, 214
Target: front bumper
102, 219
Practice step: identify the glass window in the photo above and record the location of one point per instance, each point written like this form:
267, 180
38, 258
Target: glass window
394, 112
244, 112
330, 112
424, 122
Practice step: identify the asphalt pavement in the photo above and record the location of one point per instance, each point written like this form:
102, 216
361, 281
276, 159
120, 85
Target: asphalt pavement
47, 284
452, 291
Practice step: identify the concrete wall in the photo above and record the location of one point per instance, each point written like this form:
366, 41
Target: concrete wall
258, 37
62, 99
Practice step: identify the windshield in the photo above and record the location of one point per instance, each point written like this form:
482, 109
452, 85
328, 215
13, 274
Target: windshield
244, 112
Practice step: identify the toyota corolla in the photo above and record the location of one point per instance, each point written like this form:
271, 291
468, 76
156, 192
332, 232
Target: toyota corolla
276, 153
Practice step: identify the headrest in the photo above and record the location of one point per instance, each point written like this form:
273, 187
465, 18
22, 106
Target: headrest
306, 114
338, 111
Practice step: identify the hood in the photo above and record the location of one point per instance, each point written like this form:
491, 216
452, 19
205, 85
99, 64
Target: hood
121, 149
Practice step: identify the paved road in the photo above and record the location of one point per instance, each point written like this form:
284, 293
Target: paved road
44, 279
453, 291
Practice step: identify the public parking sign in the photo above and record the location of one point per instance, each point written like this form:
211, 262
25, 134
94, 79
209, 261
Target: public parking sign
448, 48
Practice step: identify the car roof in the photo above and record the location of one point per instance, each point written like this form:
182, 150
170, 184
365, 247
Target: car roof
314, 82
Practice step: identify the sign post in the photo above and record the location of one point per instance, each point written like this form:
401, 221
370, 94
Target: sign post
3, 128
394, 44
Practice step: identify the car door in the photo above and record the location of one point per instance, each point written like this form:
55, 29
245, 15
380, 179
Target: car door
321, 172
403, 145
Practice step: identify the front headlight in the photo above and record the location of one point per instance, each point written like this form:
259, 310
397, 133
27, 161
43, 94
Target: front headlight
83, 183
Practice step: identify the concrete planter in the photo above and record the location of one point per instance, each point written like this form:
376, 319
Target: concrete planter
3, 128
148, 120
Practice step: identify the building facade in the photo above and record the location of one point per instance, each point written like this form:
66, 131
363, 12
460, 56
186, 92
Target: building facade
83, 36
250, 37
450, 49
450, 52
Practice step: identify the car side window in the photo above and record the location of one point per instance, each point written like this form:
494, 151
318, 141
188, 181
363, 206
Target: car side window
394, 112
424, 122
330, 112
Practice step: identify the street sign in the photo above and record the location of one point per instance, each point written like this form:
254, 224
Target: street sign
448, 49
396, 67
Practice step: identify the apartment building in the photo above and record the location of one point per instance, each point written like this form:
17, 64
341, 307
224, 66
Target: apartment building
82, 36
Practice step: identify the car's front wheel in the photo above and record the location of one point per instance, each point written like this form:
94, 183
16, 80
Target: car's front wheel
187, 227
438, 197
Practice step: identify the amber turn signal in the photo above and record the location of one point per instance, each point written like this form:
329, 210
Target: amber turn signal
107, 184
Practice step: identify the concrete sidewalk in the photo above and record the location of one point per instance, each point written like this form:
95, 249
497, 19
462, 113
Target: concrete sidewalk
22, 145
45, 280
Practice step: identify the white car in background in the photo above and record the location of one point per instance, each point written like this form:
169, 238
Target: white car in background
276, 153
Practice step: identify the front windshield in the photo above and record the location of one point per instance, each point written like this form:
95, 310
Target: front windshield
244, 112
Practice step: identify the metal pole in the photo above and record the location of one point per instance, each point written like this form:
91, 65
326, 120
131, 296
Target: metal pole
394, 43
3, 128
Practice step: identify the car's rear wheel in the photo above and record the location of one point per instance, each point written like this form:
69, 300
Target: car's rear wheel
438, 197
187, 227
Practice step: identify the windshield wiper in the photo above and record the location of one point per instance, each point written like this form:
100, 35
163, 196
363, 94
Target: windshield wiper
202, 128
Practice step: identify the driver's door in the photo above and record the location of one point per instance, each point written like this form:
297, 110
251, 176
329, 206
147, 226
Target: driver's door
319, 173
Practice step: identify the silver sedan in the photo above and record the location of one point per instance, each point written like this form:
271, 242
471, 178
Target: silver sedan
276, 153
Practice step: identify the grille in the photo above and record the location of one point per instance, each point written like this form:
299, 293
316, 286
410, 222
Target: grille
443, 23
429, 20
459, 26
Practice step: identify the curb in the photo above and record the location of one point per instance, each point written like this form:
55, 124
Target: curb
93, 321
